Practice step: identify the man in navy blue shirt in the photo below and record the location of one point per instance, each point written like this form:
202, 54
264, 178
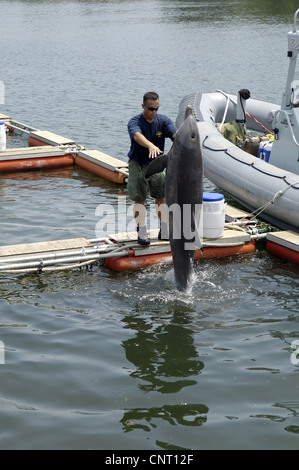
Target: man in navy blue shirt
148, 132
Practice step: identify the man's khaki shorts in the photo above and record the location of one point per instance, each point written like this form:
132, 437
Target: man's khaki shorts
139, 187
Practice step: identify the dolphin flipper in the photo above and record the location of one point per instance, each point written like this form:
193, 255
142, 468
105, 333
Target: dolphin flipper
157, 166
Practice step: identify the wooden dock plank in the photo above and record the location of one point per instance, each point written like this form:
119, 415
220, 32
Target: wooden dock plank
229, 237
3, 117
233, 213
132, 236
30, 152
42, 247
51, 138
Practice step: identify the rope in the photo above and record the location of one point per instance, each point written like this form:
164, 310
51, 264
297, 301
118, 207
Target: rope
258, 122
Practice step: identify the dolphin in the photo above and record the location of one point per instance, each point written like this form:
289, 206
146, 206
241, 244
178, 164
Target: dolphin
183, 195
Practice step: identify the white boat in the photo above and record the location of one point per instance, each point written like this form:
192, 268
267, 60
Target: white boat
266, 179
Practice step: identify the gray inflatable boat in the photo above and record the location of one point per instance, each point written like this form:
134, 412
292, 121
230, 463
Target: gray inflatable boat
250, 147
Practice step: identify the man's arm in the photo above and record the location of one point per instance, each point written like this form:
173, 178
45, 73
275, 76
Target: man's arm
141, 140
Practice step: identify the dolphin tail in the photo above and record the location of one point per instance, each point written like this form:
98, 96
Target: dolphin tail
182, 261
157, 166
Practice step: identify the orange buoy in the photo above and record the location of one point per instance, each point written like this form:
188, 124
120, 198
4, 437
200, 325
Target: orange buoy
133, 262
283, 252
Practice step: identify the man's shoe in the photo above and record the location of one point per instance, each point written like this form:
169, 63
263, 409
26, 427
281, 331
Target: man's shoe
142, 236
143, 242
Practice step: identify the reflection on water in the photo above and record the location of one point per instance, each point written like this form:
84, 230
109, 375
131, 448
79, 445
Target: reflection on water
148, 418
288, 412
165, 360
164, 356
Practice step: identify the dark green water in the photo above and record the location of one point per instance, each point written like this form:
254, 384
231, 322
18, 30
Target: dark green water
102, 360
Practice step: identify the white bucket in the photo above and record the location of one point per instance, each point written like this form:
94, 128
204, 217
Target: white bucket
213, 215
2, 136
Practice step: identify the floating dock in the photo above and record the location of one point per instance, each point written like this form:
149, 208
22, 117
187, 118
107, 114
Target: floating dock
39, 138
284, 245
103, 165
120, 252
32, 158
232, 243
64, 152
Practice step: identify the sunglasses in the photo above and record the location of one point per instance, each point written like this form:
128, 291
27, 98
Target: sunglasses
151, 108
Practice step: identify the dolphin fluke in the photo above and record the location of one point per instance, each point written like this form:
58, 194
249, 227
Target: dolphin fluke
182, 262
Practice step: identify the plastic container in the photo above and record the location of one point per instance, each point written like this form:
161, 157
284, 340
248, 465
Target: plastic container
264, 151
2, 136
213, 219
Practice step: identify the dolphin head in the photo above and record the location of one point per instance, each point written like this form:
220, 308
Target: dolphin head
187, 137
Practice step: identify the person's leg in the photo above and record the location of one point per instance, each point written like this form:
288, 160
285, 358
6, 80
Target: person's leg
138, 189
140, 215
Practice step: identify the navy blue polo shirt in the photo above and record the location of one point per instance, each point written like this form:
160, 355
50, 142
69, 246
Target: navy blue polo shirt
156, 132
